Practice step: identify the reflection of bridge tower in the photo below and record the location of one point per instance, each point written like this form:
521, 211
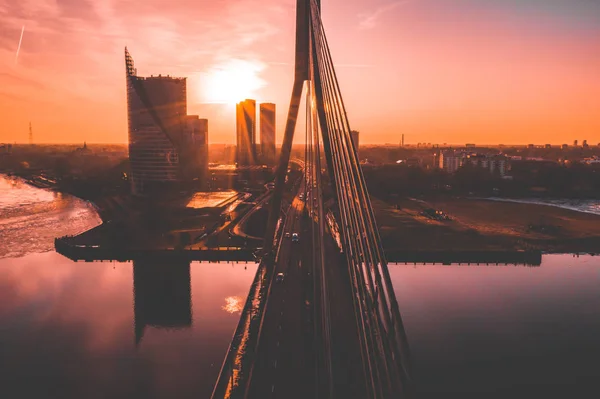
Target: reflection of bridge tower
162, 296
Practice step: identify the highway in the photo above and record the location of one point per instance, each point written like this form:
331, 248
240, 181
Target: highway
284, 362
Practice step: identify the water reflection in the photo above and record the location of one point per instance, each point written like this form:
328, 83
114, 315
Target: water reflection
69, 330
233, 304
161, 296
503, 332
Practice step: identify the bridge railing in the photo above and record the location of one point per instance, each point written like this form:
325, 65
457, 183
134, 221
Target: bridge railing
237, 367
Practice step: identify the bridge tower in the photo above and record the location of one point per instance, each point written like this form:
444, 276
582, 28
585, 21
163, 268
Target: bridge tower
385, 360
301, 75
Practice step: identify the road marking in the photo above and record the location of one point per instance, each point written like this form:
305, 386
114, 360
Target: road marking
277, 343
276, 363
280, 327
272, 388
282, 312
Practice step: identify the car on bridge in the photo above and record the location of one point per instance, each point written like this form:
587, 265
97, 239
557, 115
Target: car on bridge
279, 278
295, 237
287, 235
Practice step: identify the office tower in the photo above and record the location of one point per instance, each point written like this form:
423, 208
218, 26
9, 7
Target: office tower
575, 142
156, 110
267, 133
166, 146
197, 136
402, 139
246, 133
354, 136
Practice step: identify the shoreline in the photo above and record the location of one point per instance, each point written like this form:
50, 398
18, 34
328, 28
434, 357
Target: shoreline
542, 202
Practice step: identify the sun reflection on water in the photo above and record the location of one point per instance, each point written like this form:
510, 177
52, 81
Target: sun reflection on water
233, 304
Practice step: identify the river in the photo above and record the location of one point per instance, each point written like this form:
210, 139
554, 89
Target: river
124, 330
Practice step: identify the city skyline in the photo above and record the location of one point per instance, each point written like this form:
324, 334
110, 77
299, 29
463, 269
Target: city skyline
439, 71
305, 275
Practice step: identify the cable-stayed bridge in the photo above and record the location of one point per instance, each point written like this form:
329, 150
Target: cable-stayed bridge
321, 319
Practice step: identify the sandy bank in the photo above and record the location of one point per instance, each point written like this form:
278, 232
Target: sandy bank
486, 225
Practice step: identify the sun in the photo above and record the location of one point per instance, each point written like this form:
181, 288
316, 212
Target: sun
231, 82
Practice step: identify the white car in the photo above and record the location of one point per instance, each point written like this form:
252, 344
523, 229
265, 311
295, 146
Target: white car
295, 237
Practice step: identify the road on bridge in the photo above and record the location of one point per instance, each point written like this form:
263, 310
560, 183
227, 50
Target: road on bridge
285, 364
283, 357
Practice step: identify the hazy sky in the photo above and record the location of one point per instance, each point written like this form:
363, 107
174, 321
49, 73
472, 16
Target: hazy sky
445, 71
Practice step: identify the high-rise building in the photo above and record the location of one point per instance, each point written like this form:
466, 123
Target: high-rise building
267, 133
354, 135
575, 142
156, 108
246, 133
165, 145
197, 134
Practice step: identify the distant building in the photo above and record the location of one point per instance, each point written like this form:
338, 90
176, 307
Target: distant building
84, 150
246, 133
267, 133
498, 164
585, 144
450, 161
564, 146
530, 146
548, 146
470, 145
495, 163
477, 160
354, 134
575, 142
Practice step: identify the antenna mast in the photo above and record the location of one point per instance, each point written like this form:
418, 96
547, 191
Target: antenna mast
30, 134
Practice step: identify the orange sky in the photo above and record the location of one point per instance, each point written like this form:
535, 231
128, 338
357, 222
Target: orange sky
445, 71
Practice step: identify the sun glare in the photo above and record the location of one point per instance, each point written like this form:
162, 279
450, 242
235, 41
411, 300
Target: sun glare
232, 82
233, 304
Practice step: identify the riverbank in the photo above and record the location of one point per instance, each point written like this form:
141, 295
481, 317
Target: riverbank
479, 224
